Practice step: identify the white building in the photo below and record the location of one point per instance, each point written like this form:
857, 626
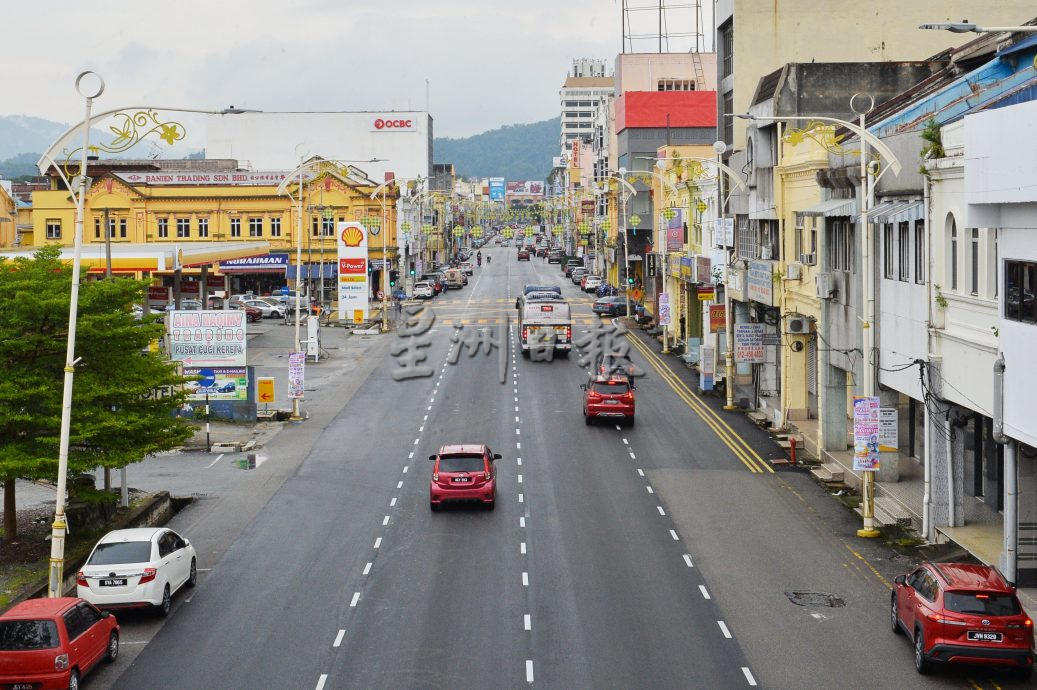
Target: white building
586, 85
401, 141
1001, 194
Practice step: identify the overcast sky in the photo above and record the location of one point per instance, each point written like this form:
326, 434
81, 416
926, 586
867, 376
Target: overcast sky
487, 62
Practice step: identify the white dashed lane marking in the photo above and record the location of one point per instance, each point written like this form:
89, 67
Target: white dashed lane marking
673, 534
367, 569
324, 679
723, 629
356, 598
660, 509
338, 638
705, 592
687, 559
745, 671
377, 542
527, 623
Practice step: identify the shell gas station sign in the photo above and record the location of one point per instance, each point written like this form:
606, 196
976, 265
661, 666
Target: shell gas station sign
352, 272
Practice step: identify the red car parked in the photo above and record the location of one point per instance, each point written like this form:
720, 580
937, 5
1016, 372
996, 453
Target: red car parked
962, 613
463, 472
52, 643
608, 398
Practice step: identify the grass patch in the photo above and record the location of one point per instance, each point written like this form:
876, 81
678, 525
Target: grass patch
17, 579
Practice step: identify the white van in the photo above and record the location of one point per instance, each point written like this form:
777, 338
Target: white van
544, 315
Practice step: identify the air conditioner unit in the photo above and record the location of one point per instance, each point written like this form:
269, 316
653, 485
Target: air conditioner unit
825, 284
808, 259
797, 325
795, 271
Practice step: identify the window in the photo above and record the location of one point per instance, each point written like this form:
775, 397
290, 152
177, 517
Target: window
887, 251
275, 227
203, 227
53, 229
21, 635
840, 247
97, 228
797, 248
728, 122
769, 237
74, 624
1020, 284
255, 227
122, 228
328, 227
952, 270
746, 246
974, 255
920, 252
904, 245
163, 228
315, 226
183, 227
727, 47
235, 227
676, 85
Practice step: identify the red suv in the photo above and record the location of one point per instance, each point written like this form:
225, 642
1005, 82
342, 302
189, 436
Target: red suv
608, 397
463, 472
962, 613
52, 643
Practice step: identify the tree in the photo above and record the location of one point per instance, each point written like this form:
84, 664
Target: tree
116, 418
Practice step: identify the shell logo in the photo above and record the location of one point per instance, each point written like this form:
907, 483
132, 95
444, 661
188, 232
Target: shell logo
352, 236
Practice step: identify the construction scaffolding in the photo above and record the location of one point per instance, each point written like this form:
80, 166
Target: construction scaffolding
664, 27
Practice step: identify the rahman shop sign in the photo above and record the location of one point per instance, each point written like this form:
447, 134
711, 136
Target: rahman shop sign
352, 272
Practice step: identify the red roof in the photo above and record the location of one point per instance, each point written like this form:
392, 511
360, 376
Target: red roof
650, 108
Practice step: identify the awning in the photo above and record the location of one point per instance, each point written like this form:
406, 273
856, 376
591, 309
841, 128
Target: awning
878, 214
911, 212
634, 257
832, 207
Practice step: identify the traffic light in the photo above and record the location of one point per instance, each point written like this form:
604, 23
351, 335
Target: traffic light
630, 280
412, 271
393, 276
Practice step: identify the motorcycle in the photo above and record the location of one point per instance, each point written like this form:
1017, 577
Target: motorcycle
489, 259
478, 262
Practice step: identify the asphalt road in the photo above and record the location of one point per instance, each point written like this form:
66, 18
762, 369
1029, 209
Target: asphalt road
657, 556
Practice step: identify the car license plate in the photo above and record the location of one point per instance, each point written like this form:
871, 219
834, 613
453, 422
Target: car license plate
462, 480
22, 686
611, 402
981, 636
115, 582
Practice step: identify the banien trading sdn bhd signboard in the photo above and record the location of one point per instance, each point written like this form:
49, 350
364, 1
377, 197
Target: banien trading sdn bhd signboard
352, 272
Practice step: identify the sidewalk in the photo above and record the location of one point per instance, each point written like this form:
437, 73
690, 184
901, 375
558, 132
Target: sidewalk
896, 502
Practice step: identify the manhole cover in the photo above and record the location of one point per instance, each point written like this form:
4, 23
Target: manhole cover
815, 599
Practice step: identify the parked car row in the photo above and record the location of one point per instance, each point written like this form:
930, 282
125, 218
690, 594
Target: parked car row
53, 643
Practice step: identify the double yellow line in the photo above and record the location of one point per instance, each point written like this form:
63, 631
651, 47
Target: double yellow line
742, 450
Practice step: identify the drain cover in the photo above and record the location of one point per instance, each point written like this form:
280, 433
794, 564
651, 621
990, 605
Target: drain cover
815, 599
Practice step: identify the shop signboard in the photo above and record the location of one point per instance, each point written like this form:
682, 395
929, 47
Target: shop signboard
724, 232
760, 282
865, 434
717, 318
749, 347
687, 269
707, 367
703, 269
496, 189
706, 293
217, 383
267, 263
352, 270
207, 338
888, 437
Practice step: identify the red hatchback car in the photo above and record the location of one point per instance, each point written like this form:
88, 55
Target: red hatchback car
962, 613
463, 472
52, 643
608, 397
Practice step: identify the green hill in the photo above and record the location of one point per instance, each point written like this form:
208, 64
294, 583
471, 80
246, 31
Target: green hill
514, 152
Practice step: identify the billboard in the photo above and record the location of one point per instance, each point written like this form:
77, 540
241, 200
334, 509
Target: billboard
205, 338
527, 187
496, 189
217, 383
675, 230
352, 270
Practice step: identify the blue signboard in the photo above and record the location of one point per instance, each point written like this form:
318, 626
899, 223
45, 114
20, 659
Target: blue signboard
496, 189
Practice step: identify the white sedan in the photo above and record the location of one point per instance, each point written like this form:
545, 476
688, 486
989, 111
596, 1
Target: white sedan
270, 309
137, 567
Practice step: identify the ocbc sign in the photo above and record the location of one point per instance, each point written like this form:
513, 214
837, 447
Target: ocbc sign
393, 124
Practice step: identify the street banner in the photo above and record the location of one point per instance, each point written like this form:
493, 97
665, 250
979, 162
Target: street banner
217, 383
707, 367
296, 374
749, 343
675, 231
865, 434
717, 318
706, 293
207, 338
352, 270
888, 436
665, 313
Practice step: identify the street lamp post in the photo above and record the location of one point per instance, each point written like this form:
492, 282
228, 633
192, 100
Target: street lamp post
56, 567
868, 182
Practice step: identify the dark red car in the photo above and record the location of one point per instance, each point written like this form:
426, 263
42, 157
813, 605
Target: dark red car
252, 314
609, 397
52, 643
523, 255
962, 613
463, 472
